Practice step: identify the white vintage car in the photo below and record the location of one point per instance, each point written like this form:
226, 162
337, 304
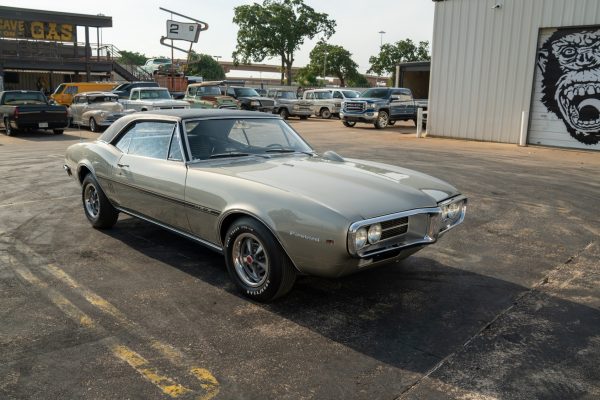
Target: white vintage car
151, 99
96, 110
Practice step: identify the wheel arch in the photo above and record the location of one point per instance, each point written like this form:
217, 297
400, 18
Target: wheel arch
82, 170
229, 217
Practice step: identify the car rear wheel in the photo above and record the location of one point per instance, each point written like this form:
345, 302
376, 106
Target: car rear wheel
349, 124
93, 125
382, 120
98, 210
9, 130
325, 113
256, 262
284, 113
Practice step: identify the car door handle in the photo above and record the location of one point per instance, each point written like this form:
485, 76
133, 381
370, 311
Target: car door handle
123, 165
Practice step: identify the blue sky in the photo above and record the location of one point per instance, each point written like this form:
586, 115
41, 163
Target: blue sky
138, 25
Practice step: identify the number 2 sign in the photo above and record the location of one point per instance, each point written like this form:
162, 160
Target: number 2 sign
182, 31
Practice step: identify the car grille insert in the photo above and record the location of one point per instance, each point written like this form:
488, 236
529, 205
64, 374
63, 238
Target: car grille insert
393, 228
355, 106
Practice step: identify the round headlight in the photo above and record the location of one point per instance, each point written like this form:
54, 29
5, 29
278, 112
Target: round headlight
374, 233
453, 210
360, 239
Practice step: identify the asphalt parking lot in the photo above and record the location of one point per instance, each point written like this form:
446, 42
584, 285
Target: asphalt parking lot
507, 306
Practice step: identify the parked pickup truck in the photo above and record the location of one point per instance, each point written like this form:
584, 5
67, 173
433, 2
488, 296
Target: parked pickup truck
380, 107
148, 99
28, 109
249, 99
287, 105
323, 103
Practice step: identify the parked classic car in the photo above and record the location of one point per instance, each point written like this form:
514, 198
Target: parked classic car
323, 103
287, 105
149, 98
124, 89
250, 99
247, 185
28, 109
208, 95
152, 65
97, 110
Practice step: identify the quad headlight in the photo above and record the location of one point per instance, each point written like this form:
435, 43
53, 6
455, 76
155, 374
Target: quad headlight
255, 103
360, 238
374, 233
452, 211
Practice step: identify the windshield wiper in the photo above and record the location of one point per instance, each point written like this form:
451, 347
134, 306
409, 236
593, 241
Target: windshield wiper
229, 154
288, 150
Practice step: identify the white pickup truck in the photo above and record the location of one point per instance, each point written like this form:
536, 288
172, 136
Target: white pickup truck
152, 98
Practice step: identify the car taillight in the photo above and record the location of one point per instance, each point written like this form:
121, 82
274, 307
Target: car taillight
16, 112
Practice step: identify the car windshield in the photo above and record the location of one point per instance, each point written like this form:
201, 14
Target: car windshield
203, 90
245, 92
323, 95
102, 99
154, 94
350, 94
24, 98
235, 137
59, 89
122, 86
376, 93
161, 61
286, 95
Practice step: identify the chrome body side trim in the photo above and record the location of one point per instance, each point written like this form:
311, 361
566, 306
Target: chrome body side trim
203, 242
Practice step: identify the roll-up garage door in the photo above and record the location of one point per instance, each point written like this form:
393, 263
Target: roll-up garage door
565, 108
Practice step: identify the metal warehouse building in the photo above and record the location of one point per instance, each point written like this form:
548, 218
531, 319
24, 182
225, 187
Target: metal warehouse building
517, 70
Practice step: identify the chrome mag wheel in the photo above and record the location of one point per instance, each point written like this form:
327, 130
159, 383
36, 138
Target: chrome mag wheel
92, 201
250, 259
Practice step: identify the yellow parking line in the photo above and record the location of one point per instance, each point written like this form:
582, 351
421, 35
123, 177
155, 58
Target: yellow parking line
167, 385
140, 364
207, 380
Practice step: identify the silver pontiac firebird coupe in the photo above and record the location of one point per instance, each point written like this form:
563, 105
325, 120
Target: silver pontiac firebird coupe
247, 185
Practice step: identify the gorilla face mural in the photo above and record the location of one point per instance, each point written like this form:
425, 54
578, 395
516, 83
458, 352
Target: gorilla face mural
570, 65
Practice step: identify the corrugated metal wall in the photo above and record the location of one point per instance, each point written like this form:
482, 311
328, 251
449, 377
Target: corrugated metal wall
483, 62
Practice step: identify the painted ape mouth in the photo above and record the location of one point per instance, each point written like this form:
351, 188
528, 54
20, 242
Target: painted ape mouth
580, 104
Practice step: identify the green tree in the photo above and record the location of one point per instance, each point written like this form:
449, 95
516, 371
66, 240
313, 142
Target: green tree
205, 66
358, 80
392, 54
277, 28
334, 60
307, 77
132, 58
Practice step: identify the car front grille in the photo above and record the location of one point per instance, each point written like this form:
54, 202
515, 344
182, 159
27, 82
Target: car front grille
355, 106
267, 103
228, 106
394, 227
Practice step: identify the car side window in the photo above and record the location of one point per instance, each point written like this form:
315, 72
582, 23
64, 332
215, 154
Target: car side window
310, 95
135, 95
147, 139
192, 91
175, 148
337, 95
402, 94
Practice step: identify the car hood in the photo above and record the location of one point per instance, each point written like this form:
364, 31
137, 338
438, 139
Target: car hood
218, 99
356, 189
108, 106
259, 98
368, 99
166, 103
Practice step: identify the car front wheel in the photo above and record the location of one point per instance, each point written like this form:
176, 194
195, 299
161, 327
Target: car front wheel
325, 113
349, 124
98, 210
284, 113
256, 262
382, 120
93, 125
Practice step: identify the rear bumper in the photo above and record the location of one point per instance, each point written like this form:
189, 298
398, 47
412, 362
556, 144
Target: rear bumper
19, 124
